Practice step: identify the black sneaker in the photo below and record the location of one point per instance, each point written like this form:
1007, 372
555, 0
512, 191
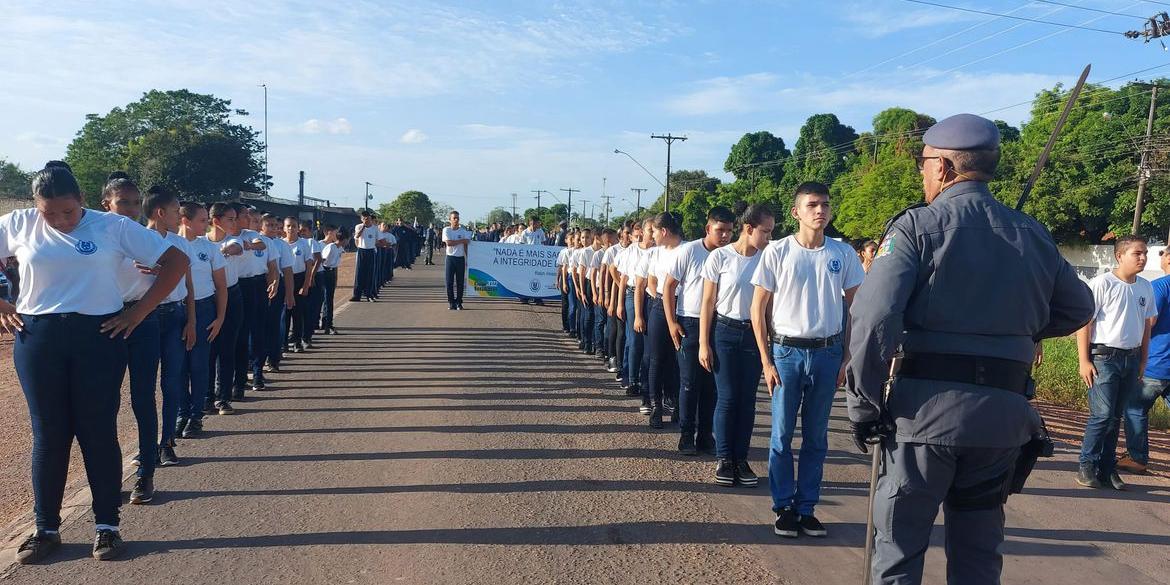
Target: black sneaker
1113, 481
259, 387
107, 545
37, 546
181, 427
706, 444
686, 445
309, 345
1087, 476
645, 409
787, 524
656, 417
744, 475
238, 396
194, 427
143, 491
633, 391
209, 408
298, 348
810, 526
166, 456
725, 473
225, 408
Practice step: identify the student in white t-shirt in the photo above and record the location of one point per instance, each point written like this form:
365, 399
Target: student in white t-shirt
209, 283
587, 317
331, 251
457, 239
534, 235
727, 345
1113, 348
624, 309
281, 305
614, 327
684, 278
224, 232
365, 239
808, 280
635, 311
69, 329
661, 361
562, 261
316, 296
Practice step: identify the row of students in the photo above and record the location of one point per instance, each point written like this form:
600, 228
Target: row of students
199, 301
703, 321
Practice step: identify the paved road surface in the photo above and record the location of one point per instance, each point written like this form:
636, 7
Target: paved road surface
428, 446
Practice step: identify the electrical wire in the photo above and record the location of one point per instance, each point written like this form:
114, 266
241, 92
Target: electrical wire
1090, 9
980, 40
1012, 16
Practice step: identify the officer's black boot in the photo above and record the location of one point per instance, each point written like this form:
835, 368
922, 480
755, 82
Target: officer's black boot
656, 415
1087, 476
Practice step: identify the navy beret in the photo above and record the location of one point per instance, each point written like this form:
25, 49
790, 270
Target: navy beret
963, 132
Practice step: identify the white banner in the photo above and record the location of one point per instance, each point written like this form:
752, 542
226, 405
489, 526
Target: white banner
513, 270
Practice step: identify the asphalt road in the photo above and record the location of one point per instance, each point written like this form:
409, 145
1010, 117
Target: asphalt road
430, 446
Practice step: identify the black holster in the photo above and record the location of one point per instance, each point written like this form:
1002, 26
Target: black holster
1041, 445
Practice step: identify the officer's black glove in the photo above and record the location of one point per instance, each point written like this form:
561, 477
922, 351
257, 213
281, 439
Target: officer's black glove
869, 433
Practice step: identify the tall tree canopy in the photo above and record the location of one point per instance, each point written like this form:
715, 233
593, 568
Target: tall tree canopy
748, 156
409, 206
183, 140
14, 182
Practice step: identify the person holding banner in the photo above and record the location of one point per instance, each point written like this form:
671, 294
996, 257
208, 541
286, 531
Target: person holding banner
456, 238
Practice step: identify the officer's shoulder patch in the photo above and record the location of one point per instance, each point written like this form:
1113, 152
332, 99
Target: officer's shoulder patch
887, 245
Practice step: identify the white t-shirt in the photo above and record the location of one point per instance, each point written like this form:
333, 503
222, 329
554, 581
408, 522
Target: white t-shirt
450, 234
585, 262
316, 247
234, 263
595, 263
388, 237
563, 257
134, 284
535, 238
1122, 310
686, 266
628, 262
70, 273
368, 239
732, 272
205, 259
302, 251
610, 256
808, 286
283, 252
255, 261
331, 254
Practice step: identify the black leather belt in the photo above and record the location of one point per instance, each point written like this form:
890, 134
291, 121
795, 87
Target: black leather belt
807, 342
654, 301
1010, 375
734, 322
328, 269
1101, 350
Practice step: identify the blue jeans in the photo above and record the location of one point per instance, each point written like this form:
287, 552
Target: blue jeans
635, 346
599, 338
1116, 383
273, 331
662, 364
313, 309
196, 373
1137, 418
587, 318
808, 381
696, 400
222, 361
254, 294
454, 268
737, 377
172, 318
573, 316
72, 393
144, 351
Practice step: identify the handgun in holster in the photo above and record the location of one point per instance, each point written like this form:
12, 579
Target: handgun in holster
1041, 445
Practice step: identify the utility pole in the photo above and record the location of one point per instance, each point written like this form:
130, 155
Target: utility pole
607, 206
638, 202
367, 196
583, 202
267, 177
669, 139
569, 207
538, 192
1143, 168
513, 208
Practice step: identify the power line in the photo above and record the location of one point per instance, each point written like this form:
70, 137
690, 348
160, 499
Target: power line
1012, 16
980, 40
1089, 9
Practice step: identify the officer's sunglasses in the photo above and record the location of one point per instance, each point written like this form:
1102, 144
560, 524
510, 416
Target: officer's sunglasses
921, 160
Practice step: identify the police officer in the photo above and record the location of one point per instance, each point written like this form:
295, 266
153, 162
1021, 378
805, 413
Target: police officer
958, 407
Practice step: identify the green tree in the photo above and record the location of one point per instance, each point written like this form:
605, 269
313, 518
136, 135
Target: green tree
184, 140
753, 150
442, 211
410, 206
14, 182
498, 215
821, 152
693, 208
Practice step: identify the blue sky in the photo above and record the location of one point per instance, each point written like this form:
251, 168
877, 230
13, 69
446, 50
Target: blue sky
472, 101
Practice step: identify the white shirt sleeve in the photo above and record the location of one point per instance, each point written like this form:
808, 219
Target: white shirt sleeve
765, 274
676, 266
140, 243
712, 267
854, 274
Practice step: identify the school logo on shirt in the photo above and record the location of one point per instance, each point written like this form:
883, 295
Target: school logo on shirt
85, 247
1141, 301
203, 257
296, 251
259, 253
834, 266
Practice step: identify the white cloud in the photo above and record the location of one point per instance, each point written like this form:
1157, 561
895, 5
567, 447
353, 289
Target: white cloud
873, 21
314, 126
413, 136
722, 95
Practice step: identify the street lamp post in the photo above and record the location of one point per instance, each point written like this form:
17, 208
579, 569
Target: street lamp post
267, 177
368, 196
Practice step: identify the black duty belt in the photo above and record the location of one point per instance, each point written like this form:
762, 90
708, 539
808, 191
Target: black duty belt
1101, 350
734, 322
807, 342
1010, 375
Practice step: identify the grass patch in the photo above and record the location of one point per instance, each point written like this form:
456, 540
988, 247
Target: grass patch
1058, 381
